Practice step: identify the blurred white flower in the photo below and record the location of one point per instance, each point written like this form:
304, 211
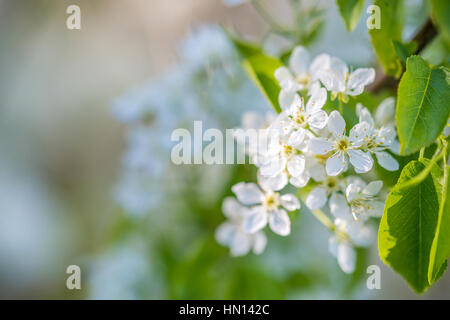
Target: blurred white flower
342, 147
266, 207
231, 234
302, 74
362, 200
341, 83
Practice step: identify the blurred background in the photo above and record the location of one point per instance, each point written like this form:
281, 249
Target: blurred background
85, 172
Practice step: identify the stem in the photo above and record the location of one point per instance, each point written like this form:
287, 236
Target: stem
341, 107
422, 152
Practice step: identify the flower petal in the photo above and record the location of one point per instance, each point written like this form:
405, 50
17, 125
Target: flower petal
375, 208
296, 138
360, 78
301, 180
333, 245
364, 114
240, 245
385, 113
373, 188
352, 191
321, 145
275, 183
387, 161
316, 198
336, 124
286, 98
273, 167
299, 60
359, 132
282, 74
346, 257
279, 222
318, 120
224, 233
362, 161
316, 101
339, 206
336, 164
247, 193
259, 242
290, 202
232, 209
319, 64
256, 220
296, 165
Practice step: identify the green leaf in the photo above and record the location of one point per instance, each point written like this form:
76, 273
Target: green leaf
261, 68
408, 225
422, 104
440, 249
404, 50
351, 12
391, 26
441, 14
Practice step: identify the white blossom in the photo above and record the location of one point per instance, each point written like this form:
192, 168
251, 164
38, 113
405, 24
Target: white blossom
266, 207
340, 147
231, 234
341, 83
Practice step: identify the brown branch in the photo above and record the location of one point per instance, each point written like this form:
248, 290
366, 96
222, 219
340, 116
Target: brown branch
424, 36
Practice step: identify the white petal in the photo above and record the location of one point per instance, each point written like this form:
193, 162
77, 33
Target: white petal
336, 124
320, 145
289, 202
316, 198
240, 245
299, 60
247, 193
224, 233
373, 188
346, 257
279, 222
320, 63
286, 98
352, 191
275, 183
282, 74
318, 120
387, 161
362, 236
316, 170
336, 164
364, 114
232, 209
333, 245
385, 113
334, 78
362, 161
256, 220
296, 165
360, 77
387, 135
296, 138
301, 180
375, 209
359, 132
316, 101
259, 242
339, 206
274, 167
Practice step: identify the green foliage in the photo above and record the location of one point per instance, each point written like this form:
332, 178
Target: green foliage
392, 19
440, 249
404, 50
441, 15
351, 11
408, 226
261, 68
422, 104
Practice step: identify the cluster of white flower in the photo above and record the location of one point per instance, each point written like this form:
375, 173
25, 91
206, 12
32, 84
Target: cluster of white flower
313, 147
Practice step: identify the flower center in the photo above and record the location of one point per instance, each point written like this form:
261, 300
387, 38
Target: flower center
303, 78
300, 118
331, 183
288, 150
342, 145
271, 201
